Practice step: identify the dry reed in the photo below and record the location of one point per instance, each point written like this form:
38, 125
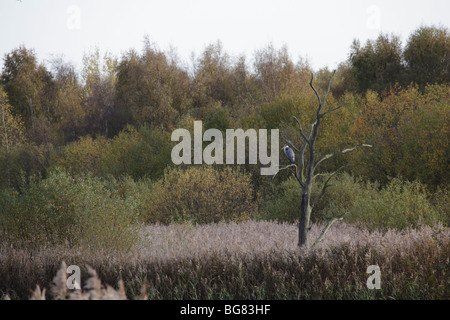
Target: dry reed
248, 260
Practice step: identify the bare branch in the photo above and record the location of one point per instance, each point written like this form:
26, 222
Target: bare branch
326, 185
284, 168
289, 167
328, 226
331, 110
311, 129
301, 130
330, 155
319, 175
314, 89
307, 139
302, 161
291, 144
328, 89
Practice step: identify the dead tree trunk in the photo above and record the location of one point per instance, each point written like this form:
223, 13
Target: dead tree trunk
305, 214
305, 171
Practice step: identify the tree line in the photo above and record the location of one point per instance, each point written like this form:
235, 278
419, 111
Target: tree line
115, 116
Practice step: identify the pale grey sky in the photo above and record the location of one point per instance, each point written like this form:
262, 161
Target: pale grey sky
320, 31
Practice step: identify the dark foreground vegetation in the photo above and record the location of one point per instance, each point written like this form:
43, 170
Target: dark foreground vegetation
87, 178
249, 260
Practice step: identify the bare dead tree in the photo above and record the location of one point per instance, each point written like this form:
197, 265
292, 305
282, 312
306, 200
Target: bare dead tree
305, 170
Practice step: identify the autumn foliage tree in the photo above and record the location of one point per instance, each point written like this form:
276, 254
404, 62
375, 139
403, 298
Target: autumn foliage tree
150, 89
11, 134
378, 64
22, 79
112, 116
427, 56
409, 131
99, 80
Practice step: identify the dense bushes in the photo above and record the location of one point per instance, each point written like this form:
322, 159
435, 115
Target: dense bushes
87, 210
20, 162
397, 205
137, 153
84, 155
111, 132
409, 131
66, 210
390, 102
82, 209
201, 195
142, 153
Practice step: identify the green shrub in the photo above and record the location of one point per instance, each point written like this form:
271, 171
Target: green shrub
218, 119
81, 156
22, 161
62, 209
136, 153
201, 195
397, 205
284, 204
440, 200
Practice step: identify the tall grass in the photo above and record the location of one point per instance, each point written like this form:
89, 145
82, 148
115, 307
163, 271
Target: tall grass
248, 260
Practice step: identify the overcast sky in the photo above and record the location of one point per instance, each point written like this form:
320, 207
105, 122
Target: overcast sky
319, 31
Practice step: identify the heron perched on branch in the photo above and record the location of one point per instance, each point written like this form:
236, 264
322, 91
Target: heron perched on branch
305, 173
289, 153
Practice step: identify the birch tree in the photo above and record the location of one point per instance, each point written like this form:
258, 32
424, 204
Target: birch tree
11, 132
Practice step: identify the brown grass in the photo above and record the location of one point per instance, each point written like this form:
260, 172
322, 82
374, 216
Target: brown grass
248, 260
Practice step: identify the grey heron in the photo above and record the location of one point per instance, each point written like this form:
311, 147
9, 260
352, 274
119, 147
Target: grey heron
289, 153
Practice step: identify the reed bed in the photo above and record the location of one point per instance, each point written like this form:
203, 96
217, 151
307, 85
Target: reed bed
247, 260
